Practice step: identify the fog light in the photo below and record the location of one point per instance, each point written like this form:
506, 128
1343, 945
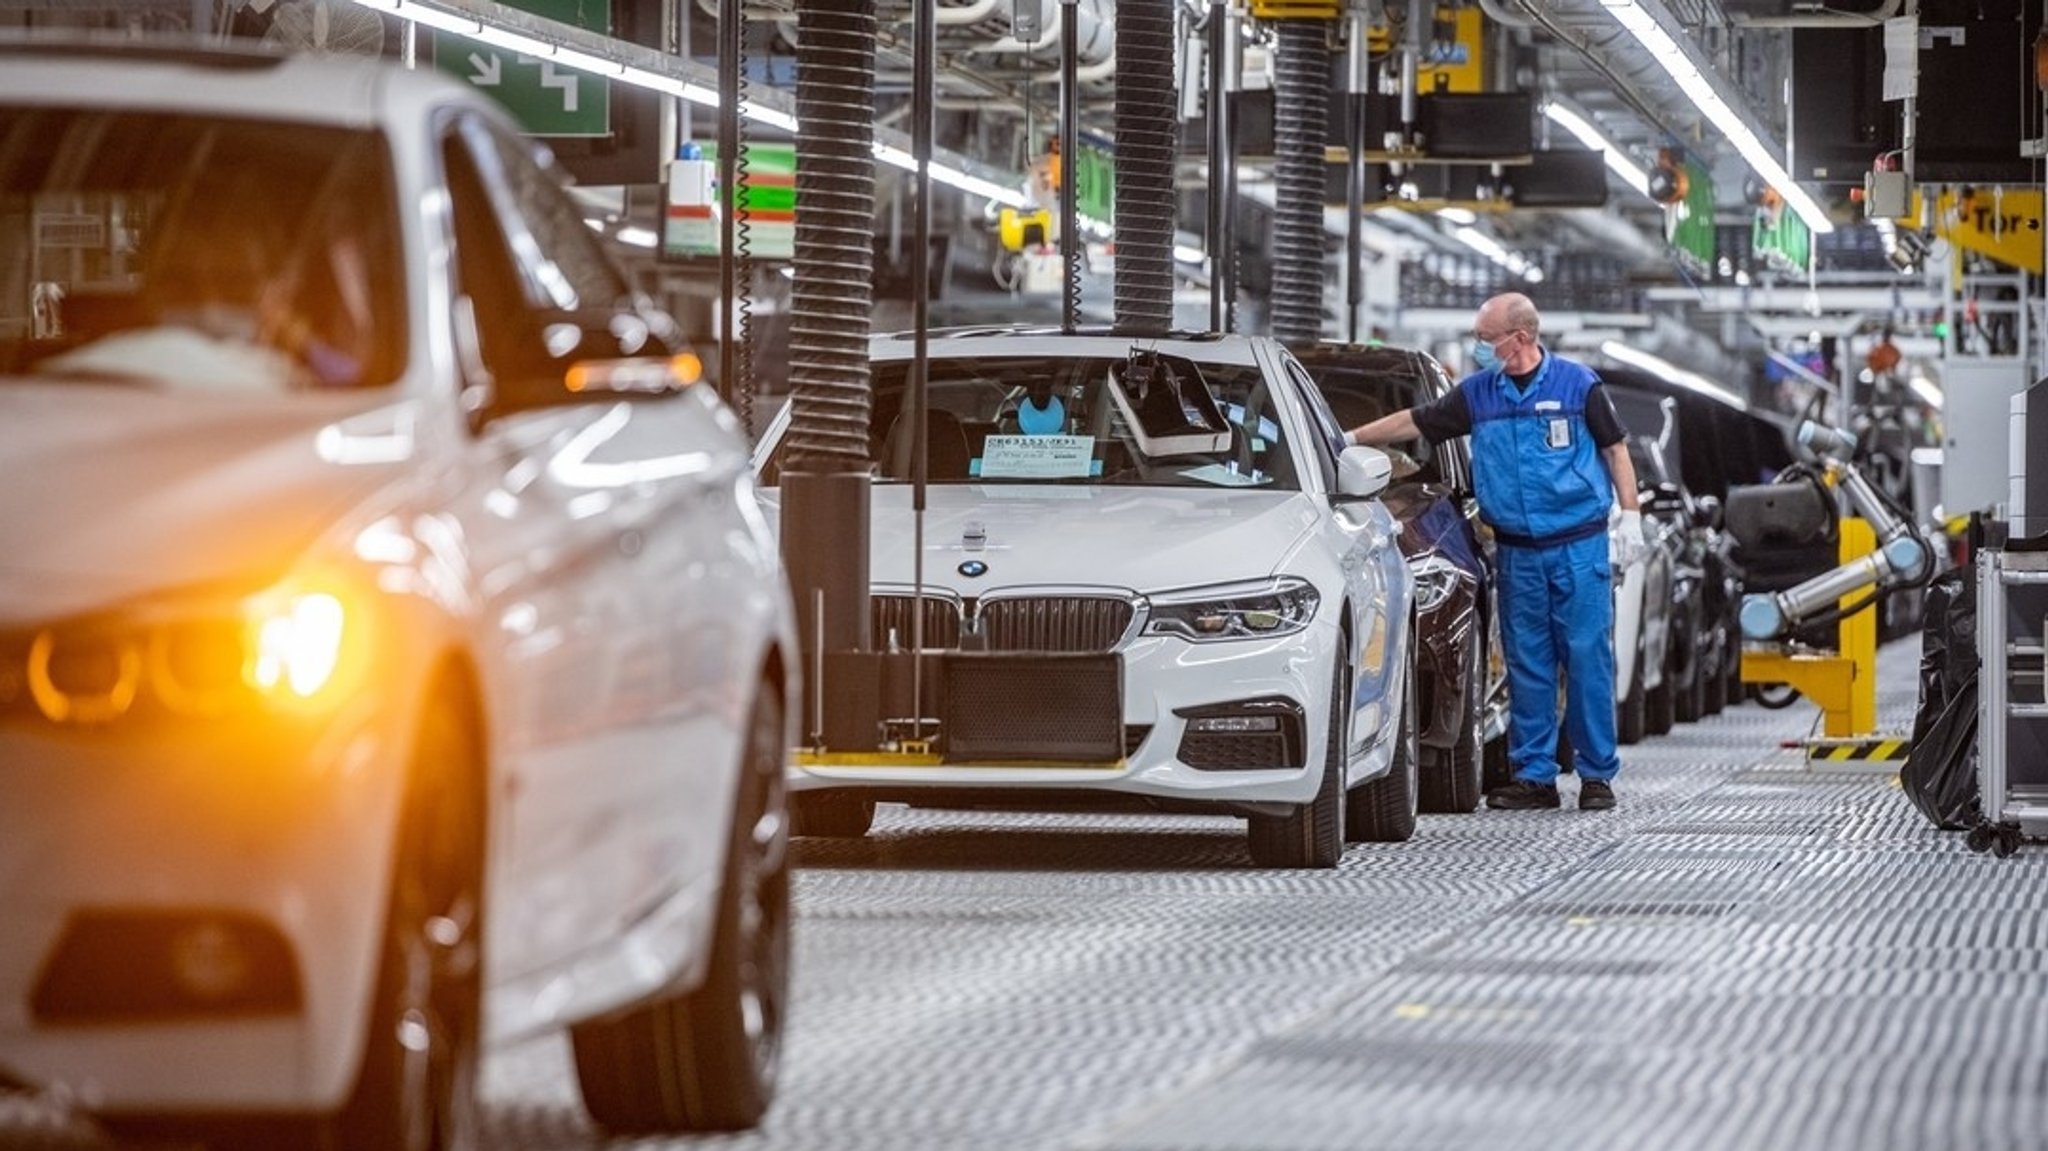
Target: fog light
1235, 723
133, 966
208, 961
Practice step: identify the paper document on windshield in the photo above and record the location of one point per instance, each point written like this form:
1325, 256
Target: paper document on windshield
1036, 458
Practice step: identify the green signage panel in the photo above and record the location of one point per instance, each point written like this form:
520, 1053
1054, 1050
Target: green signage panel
1094, 183
1689, 224
1783, 240
546, 98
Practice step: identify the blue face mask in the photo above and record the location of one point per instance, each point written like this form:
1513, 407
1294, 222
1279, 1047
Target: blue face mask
1484, 356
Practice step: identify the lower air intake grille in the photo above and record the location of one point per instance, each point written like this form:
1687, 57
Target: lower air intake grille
1235, 750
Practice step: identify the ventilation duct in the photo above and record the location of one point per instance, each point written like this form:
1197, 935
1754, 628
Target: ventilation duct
1147, 120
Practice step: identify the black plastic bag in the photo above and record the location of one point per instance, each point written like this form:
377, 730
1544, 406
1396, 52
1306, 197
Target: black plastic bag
1940, 775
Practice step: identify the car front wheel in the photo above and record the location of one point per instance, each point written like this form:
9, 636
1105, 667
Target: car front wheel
1450, 780
1313, 835
706, 1059
1383, 811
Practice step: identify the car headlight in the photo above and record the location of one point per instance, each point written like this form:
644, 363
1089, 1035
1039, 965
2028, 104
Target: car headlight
1435, 579
295, 642
1234, 611
199, 658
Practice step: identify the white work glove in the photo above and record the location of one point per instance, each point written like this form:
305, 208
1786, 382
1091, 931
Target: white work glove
1625, 542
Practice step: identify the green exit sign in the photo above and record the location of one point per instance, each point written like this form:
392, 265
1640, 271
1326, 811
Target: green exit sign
546, 98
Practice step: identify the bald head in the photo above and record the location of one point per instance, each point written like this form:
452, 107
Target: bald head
1510, 312
1509, 322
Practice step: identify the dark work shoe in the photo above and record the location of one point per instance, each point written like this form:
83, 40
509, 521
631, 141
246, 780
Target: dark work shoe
1595, 795
1522, 795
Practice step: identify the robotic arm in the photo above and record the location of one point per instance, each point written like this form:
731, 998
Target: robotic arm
1902, 557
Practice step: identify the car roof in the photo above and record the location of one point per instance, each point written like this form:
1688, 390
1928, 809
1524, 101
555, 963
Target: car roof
208, 77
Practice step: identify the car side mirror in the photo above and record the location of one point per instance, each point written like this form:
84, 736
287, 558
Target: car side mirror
1363, 472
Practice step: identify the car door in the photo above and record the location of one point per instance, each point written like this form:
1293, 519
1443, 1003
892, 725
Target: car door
1364, 537
599, 527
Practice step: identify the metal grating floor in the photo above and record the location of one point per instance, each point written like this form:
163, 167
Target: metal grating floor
1743, 956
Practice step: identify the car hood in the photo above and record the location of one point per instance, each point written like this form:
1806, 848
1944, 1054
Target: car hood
1144, 539
111, 492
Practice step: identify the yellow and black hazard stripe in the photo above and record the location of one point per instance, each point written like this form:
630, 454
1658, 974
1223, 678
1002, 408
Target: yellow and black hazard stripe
1847, 750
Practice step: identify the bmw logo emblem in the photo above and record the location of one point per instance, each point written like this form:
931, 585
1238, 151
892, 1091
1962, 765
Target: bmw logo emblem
973, 569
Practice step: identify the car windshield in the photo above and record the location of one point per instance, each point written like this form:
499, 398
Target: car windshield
1149, 420
196, 252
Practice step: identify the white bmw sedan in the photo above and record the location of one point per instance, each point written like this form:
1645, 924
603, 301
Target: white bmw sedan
393, 656
1184, 505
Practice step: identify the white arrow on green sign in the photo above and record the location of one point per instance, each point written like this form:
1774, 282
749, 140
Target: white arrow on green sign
546, 98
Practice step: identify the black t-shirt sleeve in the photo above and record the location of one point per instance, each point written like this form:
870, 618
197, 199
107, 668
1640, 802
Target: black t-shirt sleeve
1444, 418
1601, 419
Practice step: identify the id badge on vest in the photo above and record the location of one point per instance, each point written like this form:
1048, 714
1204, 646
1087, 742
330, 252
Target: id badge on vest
1560, 435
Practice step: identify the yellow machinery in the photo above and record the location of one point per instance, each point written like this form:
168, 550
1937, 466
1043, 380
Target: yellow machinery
1843, 682
1879, 552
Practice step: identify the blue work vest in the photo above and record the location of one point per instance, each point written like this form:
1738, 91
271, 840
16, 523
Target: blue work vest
1539, 477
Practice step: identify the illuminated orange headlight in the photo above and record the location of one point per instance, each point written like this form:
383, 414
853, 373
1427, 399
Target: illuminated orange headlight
198, 659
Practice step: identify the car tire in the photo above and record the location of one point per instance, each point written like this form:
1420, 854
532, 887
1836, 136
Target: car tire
1629, 717
831, 815
1660, 706
1313, 835
1451, 778
1714, 684
1731, 669
706, 1059
1383, 811
1688, 699
430, 978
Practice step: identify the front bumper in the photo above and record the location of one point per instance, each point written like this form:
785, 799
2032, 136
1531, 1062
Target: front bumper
286, 827
1161, 676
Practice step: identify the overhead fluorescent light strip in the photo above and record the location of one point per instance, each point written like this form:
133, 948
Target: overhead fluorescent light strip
1700, 89
513, 40
1627, 170
1658, 366
1491, 248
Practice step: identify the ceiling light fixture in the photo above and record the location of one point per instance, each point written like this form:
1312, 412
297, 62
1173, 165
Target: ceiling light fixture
456, 16
1491, 248
1692, 381
1627, 170
1676, 57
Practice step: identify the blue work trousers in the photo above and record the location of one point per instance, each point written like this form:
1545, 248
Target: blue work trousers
1557, 612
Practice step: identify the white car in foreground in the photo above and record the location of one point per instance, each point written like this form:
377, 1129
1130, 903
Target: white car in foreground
1174, 503
392, 653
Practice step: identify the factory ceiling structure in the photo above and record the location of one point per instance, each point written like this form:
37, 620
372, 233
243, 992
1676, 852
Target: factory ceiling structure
1729, 142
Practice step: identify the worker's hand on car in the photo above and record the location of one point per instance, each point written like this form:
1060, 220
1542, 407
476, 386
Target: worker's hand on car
1626, 544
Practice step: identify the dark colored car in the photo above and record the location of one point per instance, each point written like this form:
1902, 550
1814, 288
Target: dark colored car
1461, 676
1717, 445
1696, 633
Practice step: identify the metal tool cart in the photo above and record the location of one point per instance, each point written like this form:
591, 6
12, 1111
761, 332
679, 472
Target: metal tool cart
2012, 630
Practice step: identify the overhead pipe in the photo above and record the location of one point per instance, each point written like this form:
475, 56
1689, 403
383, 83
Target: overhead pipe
825, 485
1147, 119
1217, 107
1358, 74
1070, 219
1301, 83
